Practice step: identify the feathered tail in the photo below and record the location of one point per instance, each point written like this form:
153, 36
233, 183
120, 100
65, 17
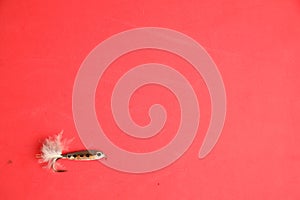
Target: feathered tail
52, 150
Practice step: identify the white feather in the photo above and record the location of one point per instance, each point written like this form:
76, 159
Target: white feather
52, 149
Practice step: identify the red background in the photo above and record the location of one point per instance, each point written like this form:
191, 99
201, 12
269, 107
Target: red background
255, 45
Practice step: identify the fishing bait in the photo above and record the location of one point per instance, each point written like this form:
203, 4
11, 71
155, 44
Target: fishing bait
52, 150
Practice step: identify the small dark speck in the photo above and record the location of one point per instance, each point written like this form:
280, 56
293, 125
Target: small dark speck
9, 162
158, 184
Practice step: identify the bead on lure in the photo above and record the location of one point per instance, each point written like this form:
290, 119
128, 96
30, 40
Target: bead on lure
52, 150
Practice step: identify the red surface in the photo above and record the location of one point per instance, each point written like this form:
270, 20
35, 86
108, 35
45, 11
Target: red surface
255, 45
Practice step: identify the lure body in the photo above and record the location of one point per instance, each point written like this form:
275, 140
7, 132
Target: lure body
84, 155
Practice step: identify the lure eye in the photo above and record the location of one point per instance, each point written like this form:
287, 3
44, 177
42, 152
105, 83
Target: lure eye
99, 154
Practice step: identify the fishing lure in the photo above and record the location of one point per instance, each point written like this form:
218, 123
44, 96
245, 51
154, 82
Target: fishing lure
52, 150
